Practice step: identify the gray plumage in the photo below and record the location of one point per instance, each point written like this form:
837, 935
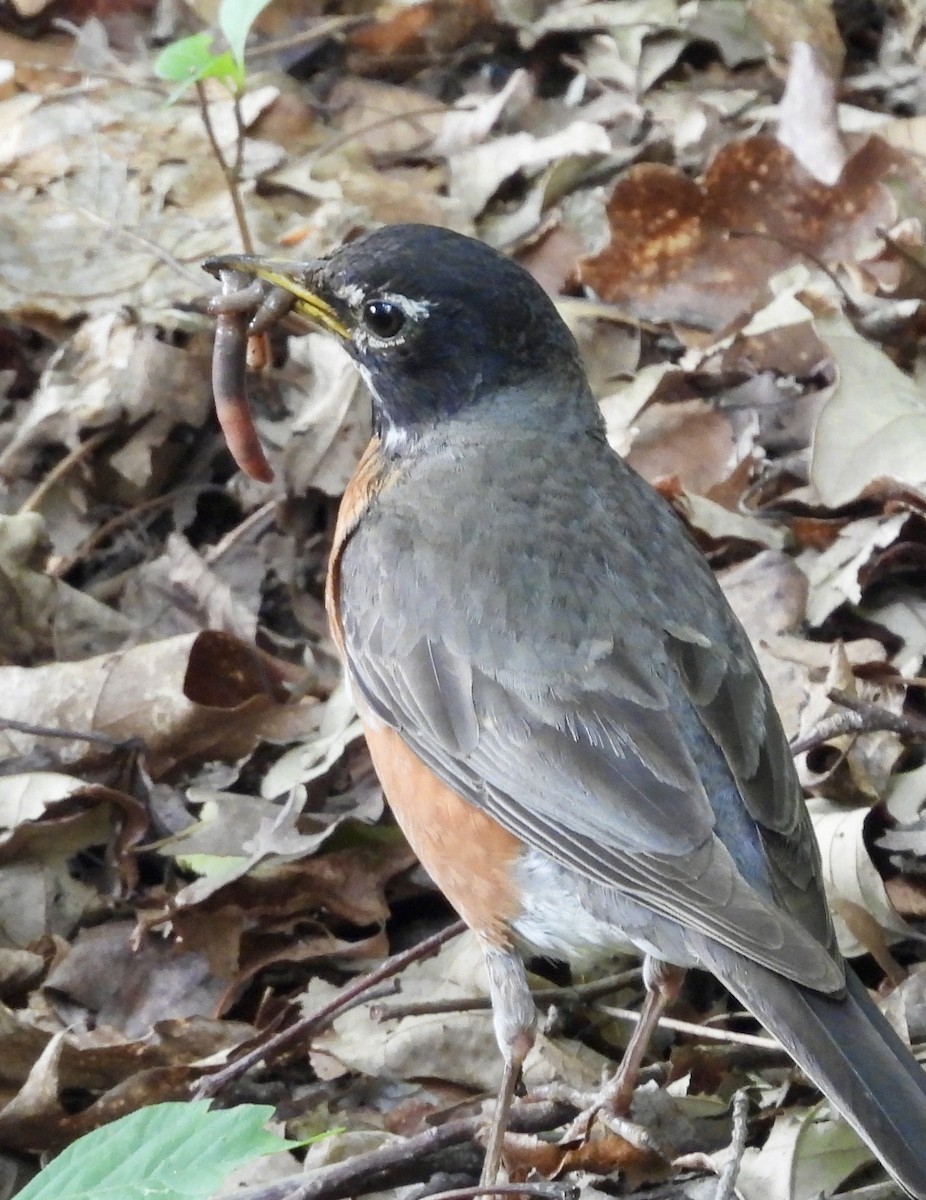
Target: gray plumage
537, 625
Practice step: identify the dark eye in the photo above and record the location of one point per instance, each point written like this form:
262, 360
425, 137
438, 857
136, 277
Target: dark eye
383, 318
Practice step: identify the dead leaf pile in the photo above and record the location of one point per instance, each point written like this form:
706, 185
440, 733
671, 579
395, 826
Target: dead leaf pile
194, 854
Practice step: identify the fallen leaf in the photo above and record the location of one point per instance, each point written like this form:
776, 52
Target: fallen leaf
861, 442
703, 253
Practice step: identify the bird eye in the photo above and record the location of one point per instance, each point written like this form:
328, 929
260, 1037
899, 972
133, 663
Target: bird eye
383, 318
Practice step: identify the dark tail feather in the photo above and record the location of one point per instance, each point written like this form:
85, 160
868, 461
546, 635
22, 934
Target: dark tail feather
851, 1053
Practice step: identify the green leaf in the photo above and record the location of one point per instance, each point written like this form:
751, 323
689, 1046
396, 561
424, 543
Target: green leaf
192, 58
235, 20
224, 66
184, 60
165, 1152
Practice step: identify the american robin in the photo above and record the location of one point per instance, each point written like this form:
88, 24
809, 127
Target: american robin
566, 717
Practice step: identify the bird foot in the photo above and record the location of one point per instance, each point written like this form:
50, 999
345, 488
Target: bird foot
609, 1106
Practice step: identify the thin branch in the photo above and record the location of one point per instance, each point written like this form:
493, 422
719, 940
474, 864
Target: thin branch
552, 1191
157, 251
62, 468
64, 563
251, 522
342, 139
210, 1085
400, 1162
229, 173
906, 724
71, 735
707, 1032
726, 1184
550, 995
860, 716
305, 37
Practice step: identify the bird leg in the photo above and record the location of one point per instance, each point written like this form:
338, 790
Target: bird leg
514, 1016
663, 982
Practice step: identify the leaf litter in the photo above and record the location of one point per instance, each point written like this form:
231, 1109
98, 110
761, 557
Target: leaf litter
194, 852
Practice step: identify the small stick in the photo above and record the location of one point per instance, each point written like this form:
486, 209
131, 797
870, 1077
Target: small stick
211, 1085
726, 1184
393, 1165
62, 468
230, 173
862, 717
580, 991
707, 1032
549, 1191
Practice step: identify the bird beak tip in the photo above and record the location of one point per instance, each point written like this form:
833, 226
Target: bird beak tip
297, 279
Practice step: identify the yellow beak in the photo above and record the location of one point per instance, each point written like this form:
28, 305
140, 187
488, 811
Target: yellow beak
294, 278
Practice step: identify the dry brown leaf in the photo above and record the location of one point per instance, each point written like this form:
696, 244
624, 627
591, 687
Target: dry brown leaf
384, 119
460, 1047
432, 25
161, 1065
347, 884
682, 251
186, 698
107, 981
477, 174
801, 1159
181, 592
690, 441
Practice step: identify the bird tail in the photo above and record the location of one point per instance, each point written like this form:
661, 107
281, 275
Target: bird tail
846, 1046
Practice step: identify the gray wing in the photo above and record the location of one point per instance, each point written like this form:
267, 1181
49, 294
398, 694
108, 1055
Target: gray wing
626, 733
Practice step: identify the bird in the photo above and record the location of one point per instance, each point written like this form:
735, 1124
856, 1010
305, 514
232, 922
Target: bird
567, 719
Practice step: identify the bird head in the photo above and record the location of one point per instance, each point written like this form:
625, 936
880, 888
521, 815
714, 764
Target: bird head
440, 325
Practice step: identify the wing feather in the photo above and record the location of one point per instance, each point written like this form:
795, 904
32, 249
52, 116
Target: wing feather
600, 710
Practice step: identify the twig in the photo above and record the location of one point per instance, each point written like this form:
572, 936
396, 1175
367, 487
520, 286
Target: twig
251, 522
229, 174
861, 717
62, 468
61, 565
71, 735
139, 239
555, 1191
239, 159
400, 1162
707, 1032
581, 991
801, 251
726, 1184
907, 724
211, 1085
305, 37
342, 139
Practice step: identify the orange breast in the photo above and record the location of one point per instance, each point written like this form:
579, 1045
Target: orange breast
467, 853
368, 481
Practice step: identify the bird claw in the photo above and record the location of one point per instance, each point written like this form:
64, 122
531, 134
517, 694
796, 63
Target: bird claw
601, 1106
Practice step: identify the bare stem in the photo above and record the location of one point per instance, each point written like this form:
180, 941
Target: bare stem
230, 172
